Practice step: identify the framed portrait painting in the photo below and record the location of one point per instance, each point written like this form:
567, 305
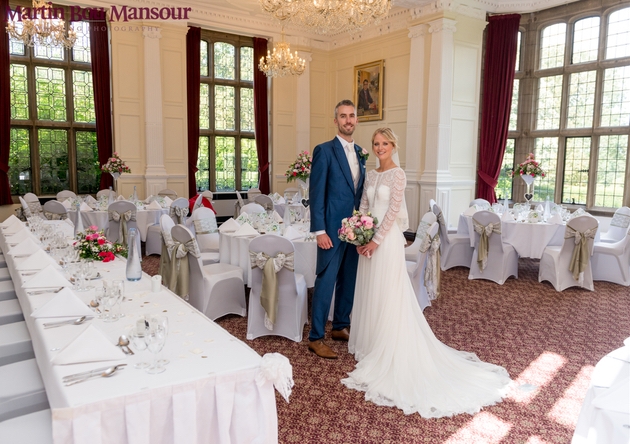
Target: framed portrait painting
368, 91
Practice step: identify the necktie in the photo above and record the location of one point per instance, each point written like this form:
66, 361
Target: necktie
354, 164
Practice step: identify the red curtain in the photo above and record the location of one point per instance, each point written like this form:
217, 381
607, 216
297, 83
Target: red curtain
99, 50
261, 116
498, 80
5, 108
193, 80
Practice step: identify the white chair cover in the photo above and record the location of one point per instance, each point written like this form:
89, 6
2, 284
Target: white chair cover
122, 216
292, 300
252, 193
106, 192
179, 210
455, 249
204, 222
481, 204
411, 252
54, 210
65, 194
25, 208
168, 192
252, 208
417, 270
611, 261
265, 201
15, 343
618, 226
33, 203
21, 390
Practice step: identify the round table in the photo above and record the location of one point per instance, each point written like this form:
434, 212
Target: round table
144, 219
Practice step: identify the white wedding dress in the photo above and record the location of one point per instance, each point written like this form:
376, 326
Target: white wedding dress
400, 361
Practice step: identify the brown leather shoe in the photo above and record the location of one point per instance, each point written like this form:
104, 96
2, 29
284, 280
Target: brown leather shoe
340, 335
322, 350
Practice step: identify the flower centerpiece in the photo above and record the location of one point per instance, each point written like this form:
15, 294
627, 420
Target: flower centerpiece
115, 166
529, 171
300, 170
92, 244
357, 229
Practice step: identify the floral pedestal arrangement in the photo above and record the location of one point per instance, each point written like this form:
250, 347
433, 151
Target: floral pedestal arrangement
300, 170
529, 171
115, 166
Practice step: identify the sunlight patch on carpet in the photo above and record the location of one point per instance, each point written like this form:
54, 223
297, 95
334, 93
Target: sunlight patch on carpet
565, 411
484, 428
538, 374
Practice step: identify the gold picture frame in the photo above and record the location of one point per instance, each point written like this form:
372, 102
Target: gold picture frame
368, 91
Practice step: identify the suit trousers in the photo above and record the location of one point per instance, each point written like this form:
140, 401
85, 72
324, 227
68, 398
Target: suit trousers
340, 274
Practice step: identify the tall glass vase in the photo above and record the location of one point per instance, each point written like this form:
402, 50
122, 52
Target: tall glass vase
304, 190
529, 194
115, 176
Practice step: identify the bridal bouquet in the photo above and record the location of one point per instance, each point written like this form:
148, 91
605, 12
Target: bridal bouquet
92, 244
530, 167
357, 229
115, 165
301, 168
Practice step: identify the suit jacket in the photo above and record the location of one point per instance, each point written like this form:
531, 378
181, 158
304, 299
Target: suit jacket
364, 102
332, 195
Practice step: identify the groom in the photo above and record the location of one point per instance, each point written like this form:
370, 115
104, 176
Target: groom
336, 184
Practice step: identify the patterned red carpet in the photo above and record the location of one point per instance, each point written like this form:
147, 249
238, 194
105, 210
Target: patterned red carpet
548, 341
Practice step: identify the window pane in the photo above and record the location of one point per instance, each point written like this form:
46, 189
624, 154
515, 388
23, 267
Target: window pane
616, 97
552, 46
247, 63
51, 93
546, 152
225, 164
88, 167
204, 58
549, 101
247, 109
16, 47
618, 42
581, 99
249, 164
224, 103
20, 162
83, 95
585, 40
576, 165
19, 92
53, 158
81, 49
611, 171
204, 106
224, 61
514, 107
49, 51
518, 51
504, 186
202, 176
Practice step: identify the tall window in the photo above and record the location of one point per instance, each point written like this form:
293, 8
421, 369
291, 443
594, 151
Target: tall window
571, 105
228, 160
53, 135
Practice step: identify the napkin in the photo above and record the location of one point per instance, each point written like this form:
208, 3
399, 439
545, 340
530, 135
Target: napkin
21, 236
36, 261
229, 226
85, 207
120, 197
13, 229
555, 219
507, 217
246, 230
540, 208
64, 304
90, 200
155, 205
26, 247
47, 278
470, 210
168, 201
9, 221
615, 398
293, 234
67, 204
89, 346
276, 217
149, 199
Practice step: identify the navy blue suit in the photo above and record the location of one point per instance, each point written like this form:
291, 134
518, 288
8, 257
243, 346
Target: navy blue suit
333, 197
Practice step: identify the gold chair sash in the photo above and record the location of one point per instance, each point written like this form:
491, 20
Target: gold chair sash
180, 213
180, 270
269, 292
123, 218
484, 231
580, 257
432, 269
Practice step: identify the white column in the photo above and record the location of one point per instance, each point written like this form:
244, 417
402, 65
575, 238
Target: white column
436, 180
155, 174
303, 111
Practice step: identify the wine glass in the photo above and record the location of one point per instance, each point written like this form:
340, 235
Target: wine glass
137, 336
161, 321
155, 339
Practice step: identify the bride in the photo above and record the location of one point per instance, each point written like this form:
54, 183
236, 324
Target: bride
400, 361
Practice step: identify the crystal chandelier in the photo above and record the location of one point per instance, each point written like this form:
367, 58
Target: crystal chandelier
281, 62
45, 29
329, 16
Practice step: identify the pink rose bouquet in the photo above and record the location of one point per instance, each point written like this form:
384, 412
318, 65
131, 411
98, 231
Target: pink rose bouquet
530, 167
92, 244
115, 165
301, 168
357, 229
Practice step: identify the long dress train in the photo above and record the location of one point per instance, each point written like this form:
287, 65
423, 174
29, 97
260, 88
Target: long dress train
400, 361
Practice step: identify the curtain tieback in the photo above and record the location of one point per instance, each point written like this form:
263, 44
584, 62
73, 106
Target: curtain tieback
270, 266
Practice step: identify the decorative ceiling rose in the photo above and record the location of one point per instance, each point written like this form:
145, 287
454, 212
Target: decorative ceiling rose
43, 28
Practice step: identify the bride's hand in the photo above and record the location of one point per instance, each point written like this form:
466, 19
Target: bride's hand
367, 249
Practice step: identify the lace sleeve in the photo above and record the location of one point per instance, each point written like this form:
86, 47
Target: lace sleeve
397, 184
365, 204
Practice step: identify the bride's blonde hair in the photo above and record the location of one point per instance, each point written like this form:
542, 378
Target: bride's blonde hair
389, 136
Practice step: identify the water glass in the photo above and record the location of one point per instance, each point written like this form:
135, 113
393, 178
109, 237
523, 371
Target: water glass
155, 339
137, 336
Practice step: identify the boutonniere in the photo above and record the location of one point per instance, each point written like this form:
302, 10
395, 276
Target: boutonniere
363, 154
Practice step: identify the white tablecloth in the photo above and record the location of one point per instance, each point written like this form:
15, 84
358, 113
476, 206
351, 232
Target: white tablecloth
600, 425
208, 393
235, 250
144, 219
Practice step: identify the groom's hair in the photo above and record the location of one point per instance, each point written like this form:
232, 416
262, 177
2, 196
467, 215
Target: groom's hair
345, 102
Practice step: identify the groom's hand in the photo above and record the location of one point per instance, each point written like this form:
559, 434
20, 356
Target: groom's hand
324, 242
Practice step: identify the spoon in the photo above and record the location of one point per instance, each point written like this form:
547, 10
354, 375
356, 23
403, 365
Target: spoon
123, 343
106, 374
77, 321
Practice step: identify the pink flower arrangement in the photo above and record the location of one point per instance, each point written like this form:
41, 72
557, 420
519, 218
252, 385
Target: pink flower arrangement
93, 245
357, 229
301, 168
529, 167
115, 165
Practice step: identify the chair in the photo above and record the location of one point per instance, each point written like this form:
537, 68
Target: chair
502, 259
482, 204
208, 195
204, 225
10, 311
455, 249
431, 203
198, 203
252, 193
122, 216
618, 226
411, 252
65, 194
32, 428
555, 260
178, 212
15, 343
238, 204
611, 261
4, 274
21, 390
25, 208
215, 289
54, 210
7, 290
416, 269
106, 192
33, 203
291, 315
265, 201
252, 208
168, 192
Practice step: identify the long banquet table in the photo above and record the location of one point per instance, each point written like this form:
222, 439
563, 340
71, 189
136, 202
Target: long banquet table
209, 392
